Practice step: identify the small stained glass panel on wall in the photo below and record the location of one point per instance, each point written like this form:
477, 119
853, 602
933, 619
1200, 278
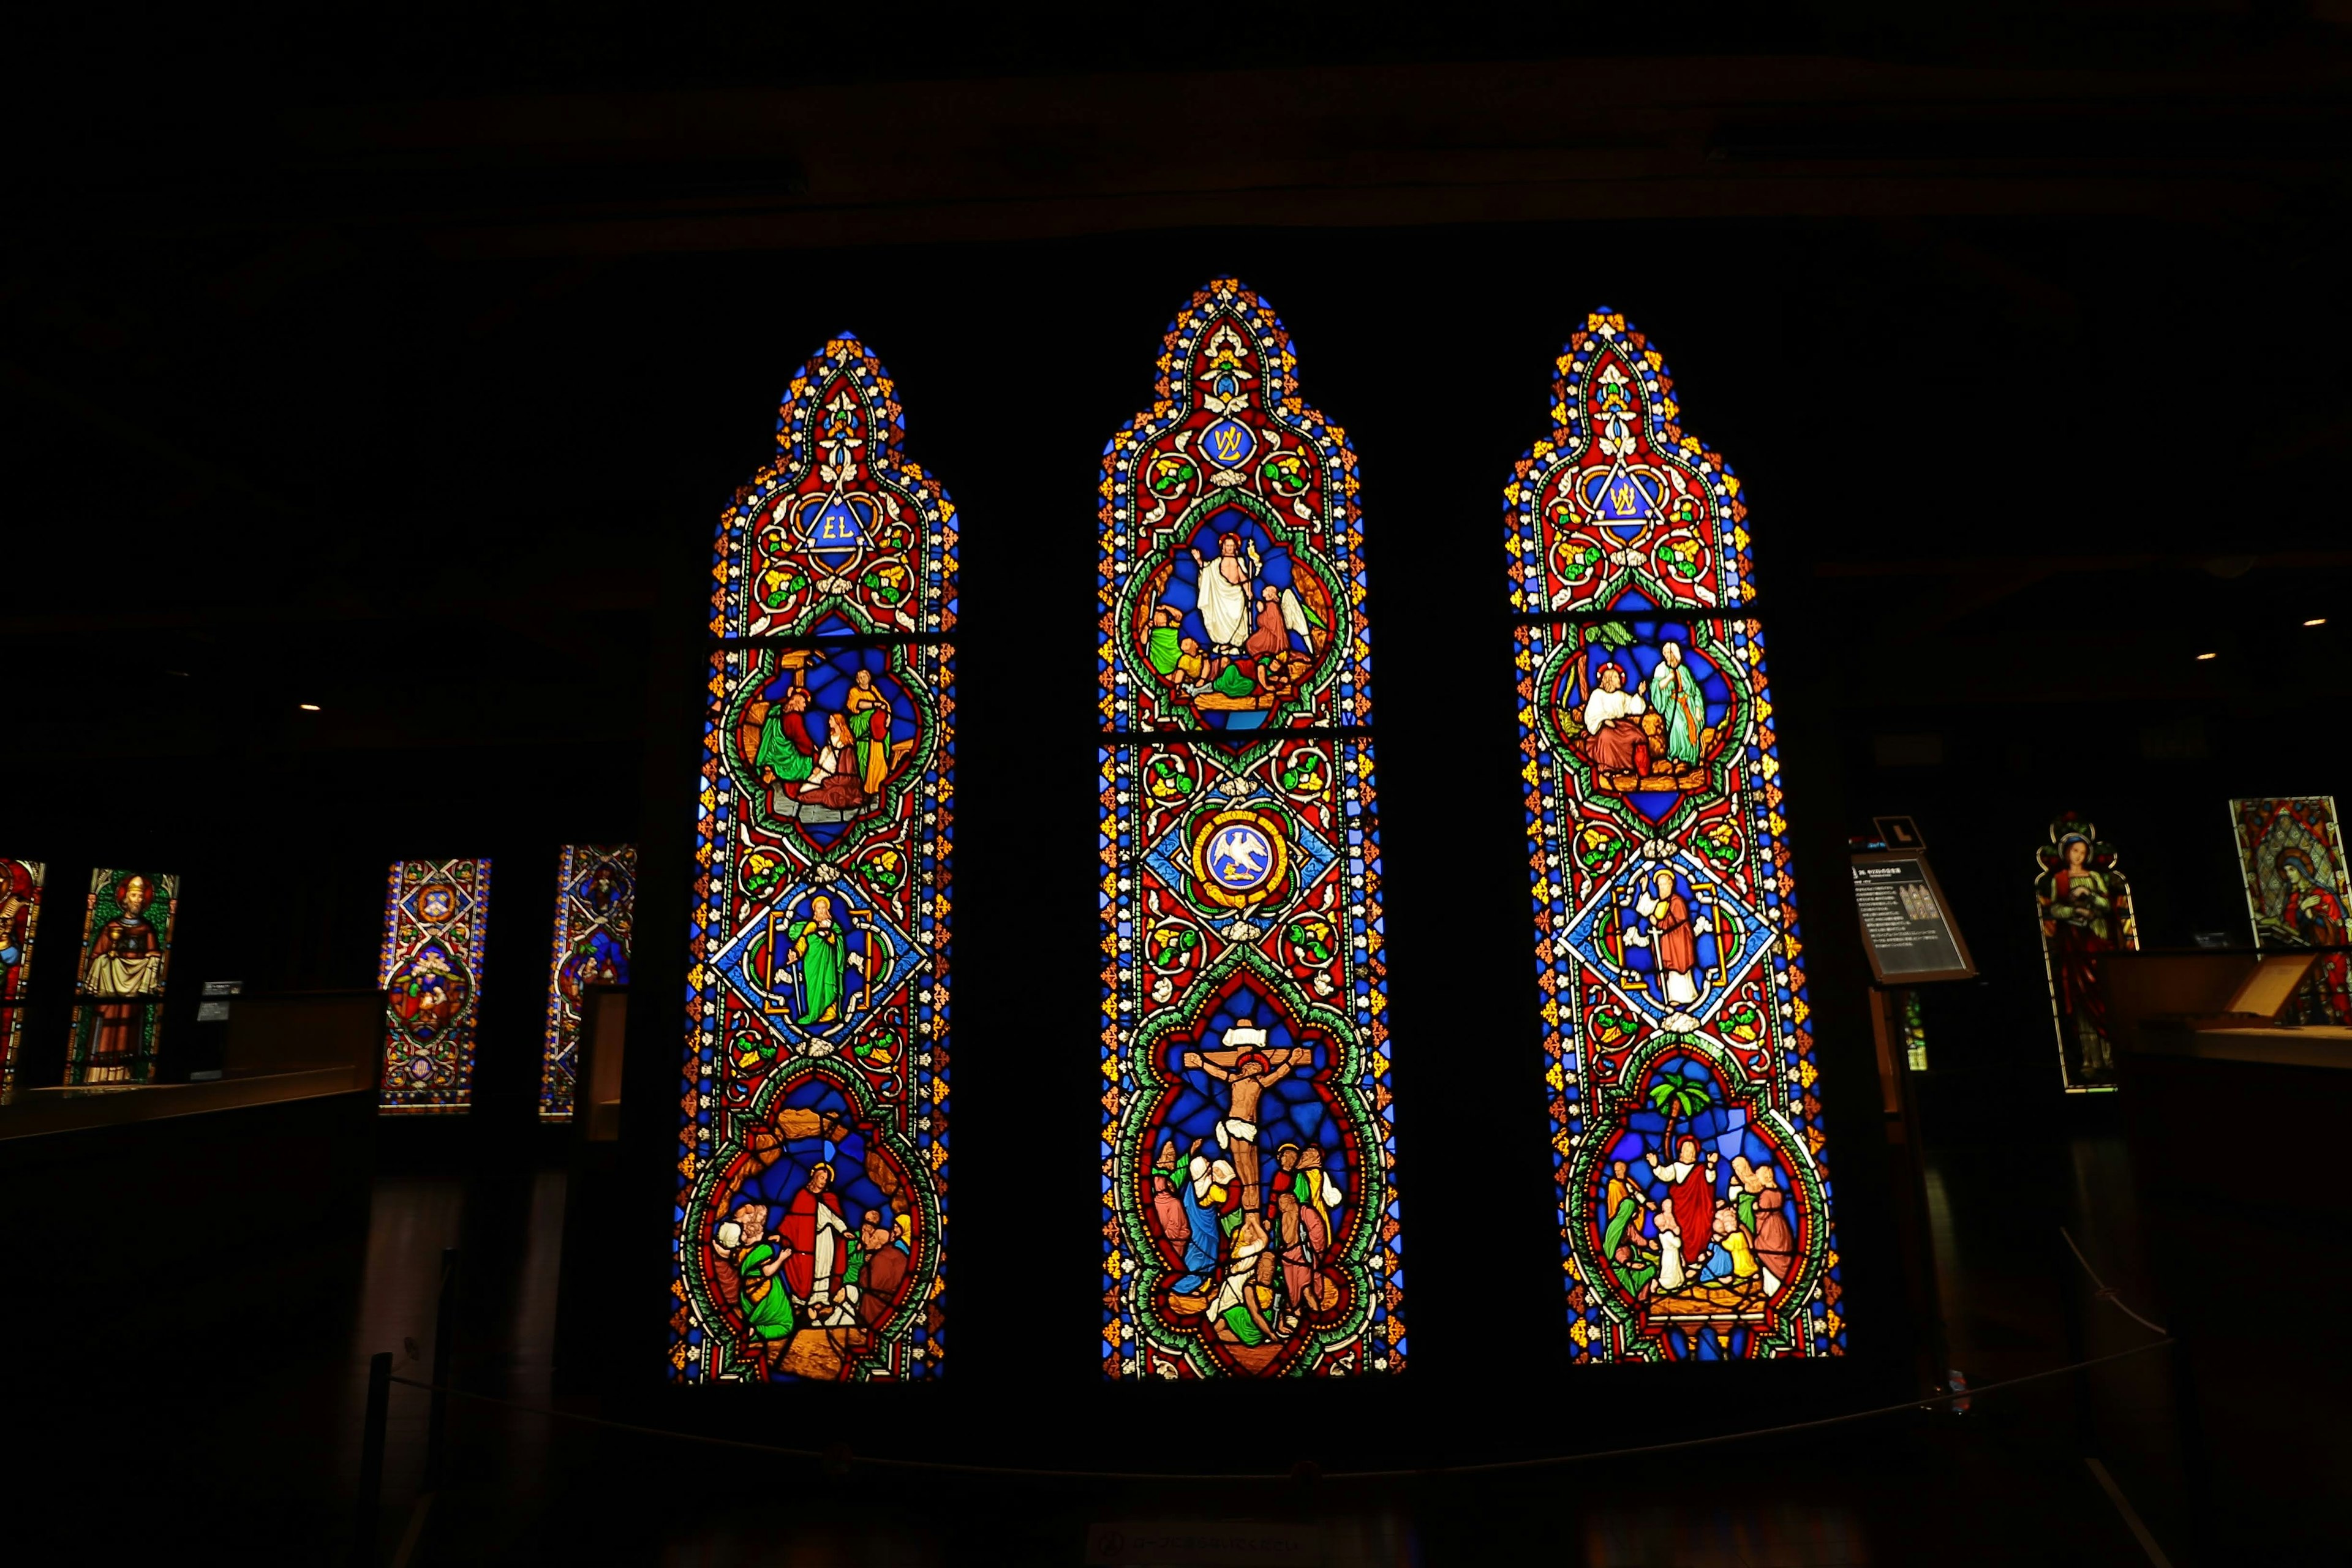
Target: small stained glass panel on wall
126, 952
2087, 910
2291, 852
20, 919
595, 905
436, 923
1250, 1213
1694, 1194
812, 1205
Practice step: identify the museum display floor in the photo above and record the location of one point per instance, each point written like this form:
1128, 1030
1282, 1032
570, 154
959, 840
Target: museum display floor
240, 1433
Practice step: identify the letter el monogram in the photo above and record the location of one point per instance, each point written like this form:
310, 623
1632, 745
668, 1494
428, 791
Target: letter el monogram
1228, 441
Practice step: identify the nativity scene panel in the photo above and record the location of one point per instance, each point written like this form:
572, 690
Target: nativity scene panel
813, 1132
1250, 1222
1695, 1197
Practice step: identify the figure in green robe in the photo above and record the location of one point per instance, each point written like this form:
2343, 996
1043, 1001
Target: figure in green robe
1676, 697
767, 1304
820, 947
786, 748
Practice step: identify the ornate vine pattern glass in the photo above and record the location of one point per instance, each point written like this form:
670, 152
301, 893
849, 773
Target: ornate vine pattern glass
2291, 852
2085, 908
595, 908
436, 921
126, 954
1249, 1215
812, 1164
1694, 1200
20, 919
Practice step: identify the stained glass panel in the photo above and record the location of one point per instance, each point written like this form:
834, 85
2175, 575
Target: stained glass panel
1694, 1197
596, 907
436, 921
1915, 1033
1250, 1216
126, 953
20, 919
2087, 910
2291, 852
814, 1133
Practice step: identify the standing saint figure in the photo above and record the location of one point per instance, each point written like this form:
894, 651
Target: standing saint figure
1223, 589
870, 721
126, 959
1690, 1197
1613, 717
2078, 924
1676, 697
1248, 1069
821, 950
1672, 937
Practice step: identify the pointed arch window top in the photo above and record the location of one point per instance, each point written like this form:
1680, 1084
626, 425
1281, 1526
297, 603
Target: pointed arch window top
841, 535
1232, 579
1620, 507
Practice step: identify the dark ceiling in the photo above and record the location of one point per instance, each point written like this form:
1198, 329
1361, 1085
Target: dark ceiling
398, 366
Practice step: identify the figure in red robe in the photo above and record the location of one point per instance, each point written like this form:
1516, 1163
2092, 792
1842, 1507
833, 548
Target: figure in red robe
2316, 915
1674, 940
818, 1234
1690, 1182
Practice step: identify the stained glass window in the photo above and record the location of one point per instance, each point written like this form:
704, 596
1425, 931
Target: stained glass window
813, 1162
2291, 852
435, 920
126, 951
1694, 1201
2087, 910
1250, 1215
595, 903
1915, 1033
20, 919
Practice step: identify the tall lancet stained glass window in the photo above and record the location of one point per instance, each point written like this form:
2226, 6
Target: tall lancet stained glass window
2291, 852
20, 921
2085, 907
811, 1212
126, 955
595, 902
1694, 1198
436, 926
1249, 1219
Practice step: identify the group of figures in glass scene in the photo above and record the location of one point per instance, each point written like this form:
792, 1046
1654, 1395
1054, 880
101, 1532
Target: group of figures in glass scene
813, 1132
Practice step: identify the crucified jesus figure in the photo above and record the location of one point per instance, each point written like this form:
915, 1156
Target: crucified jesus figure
1246, 1068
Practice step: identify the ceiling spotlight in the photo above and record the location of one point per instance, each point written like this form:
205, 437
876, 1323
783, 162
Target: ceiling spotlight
2207, 656
313, 708
2316, 621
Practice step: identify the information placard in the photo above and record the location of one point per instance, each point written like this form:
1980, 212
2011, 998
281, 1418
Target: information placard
1907, 924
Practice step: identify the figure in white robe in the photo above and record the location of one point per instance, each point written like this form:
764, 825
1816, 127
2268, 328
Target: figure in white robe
1224, 589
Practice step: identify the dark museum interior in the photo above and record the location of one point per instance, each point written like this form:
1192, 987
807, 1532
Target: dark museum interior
415, 360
